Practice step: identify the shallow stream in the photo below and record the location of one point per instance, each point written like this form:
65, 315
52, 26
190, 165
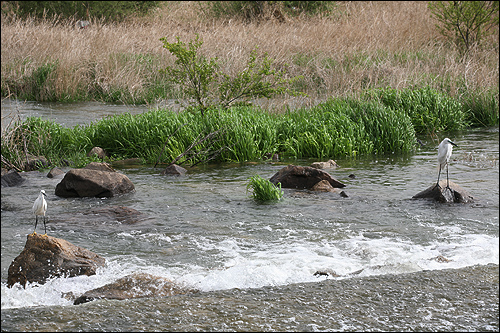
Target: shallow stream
254, 263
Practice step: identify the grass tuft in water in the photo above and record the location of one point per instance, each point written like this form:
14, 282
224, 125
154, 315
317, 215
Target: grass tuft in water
263, 190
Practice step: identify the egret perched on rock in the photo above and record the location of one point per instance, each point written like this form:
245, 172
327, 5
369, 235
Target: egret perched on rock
444, 154
39, 208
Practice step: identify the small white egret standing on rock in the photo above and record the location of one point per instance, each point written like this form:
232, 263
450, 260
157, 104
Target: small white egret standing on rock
39, 208
444, 154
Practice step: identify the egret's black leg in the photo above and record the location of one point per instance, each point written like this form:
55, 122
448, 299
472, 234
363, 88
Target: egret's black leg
447, 179
439, 174
44, 225
36, 222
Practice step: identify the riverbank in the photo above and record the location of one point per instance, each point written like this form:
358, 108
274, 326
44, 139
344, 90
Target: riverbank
360, 46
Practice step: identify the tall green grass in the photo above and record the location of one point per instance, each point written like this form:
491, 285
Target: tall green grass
381, 122
263, 190
430, 111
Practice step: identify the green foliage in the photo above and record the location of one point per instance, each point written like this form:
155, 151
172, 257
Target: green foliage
195, 73
35, 85
338, 127
481, 108
201, 79
106, 10
345, 127
466, 23
263, 190
429, 110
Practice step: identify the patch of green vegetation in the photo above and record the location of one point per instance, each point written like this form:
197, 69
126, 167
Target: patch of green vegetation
263, 190
430, 111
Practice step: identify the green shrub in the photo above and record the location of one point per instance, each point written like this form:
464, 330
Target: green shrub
202, 81
263, 190
466, 23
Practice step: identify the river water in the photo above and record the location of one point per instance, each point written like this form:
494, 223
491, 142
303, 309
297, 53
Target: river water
401, 264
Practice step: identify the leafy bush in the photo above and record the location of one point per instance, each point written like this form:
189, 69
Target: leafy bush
201, 79
465, 22
263, 190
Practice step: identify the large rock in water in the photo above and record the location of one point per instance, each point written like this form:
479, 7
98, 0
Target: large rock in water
11, 178
45, 257
299, 177
95, 180
442, 194
134, 286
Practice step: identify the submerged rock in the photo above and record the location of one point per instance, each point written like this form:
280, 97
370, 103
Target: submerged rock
54, 172
45, 257
444, 194
299, 177
121, 214
135, 285
11, 178
101, 153
174, 169
325, 165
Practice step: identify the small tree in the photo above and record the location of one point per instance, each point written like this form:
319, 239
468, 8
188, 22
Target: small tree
193, 72
467, 22
201, 79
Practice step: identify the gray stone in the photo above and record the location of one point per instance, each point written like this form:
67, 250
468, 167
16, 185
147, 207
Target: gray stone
174, 169
135, 285
12, 178
445, 195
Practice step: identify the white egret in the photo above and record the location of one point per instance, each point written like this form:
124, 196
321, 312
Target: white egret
39, 208
444, 154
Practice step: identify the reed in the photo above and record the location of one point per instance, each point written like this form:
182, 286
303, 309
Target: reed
429, 110
263, 190
335, 128
361, 45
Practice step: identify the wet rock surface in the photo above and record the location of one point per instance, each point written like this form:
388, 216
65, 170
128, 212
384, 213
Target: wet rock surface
300, 177
135, 285
45, 257
95, 180
444, 194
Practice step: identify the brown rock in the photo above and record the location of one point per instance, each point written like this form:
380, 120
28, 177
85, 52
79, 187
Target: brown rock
174, 169
443, 194
99, 167
54, 172
324, 165
93, 183
135, 285
101, 153
45, 257
299, 177
35, 163
323, 186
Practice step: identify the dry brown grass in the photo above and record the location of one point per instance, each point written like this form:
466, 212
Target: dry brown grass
364, 45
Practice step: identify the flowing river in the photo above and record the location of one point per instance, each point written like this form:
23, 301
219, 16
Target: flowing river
400, 264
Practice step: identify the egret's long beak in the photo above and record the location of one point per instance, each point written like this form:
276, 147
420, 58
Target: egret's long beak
453, 143
44, 194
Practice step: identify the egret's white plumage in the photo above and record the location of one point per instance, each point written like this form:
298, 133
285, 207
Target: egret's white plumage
39, 208
444, 153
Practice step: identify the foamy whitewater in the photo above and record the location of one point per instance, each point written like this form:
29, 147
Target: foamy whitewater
246, 267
